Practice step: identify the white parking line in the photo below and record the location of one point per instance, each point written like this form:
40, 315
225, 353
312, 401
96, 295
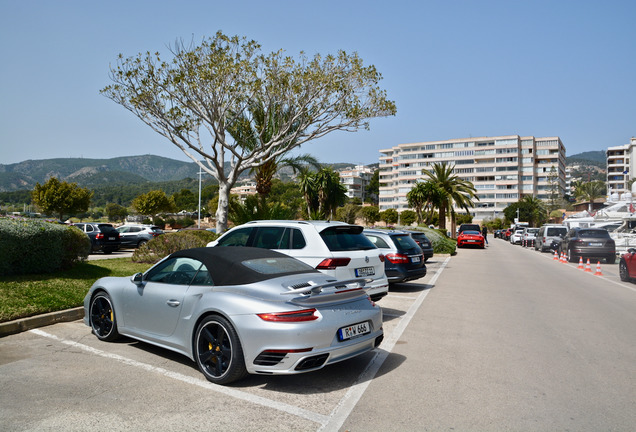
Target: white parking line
290, 409
351, 398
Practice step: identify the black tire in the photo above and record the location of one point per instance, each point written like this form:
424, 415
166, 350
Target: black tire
622, 271
102, 317
610, 259
218, 351
571, 257
141, 243
108, 251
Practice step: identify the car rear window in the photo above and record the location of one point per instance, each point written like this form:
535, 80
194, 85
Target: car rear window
594, 234
105, 228
348, 238
552, 232
404, 242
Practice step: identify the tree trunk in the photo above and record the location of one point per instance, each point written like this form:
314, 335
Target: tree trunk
221, 211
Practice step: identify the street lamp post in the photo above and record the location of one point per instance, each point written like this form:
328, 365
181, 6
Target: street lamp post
199, 211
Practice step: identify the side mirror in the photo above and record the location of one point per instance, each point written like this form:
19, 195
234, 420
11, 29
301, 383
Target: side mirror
631, 250
137, 278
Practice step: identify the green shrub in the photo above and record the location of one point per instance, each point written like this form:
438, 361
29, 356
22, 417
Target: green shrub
34, 246
168, 243
441, 243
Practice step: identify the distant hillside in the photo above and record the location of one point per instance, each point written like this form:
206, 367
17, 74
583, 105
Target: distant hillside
98, 173
94, 172
597, 158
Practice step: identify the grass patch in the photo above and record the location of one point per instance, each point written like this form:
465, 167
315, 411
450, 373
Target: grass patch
28, 295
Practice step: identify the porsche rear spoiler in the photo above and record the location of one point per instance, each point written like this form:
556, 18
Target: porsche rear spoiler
314, 293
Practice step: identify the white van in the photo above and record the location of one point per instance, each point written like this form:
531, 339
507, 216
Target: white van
547, 234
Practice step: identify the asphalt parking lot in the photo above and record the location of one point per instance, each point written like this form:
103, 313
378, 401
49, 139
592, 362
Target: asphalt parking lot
73, 381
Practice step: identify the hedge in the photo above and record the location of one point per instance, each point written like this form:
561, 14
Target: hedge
32, 246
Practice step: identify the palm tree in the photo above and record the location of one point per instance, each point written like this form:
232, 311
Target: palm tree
424, 196
590, 191
331, 193
455, 191
535, 208
323, 192
266, 124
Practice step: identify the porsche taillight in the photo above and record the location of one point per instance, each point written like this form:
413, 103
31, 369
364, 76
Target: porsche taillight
293, 316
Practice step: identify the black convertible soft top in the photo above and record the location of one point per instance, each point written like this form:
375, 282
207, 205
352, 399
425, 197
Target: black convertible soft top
237, 265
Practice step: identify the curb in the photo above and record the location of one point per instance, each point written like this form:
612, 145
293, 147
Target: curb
24, 324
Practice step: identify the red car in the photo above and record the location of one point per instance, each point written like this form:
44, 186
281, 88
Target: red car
627, 266
470, 238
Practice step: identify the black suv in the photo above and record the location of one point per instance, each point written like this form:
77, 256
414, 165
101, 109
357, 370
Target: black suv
104, 237
424, 243
403, 258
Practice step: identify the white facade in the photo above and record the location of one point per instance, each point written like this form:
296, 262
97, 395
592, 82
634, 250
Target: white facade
503, 169
620, 166
356, 181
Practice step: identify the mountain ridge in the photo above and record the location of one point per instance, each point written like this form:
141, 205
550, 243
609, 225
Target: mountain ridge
87, 172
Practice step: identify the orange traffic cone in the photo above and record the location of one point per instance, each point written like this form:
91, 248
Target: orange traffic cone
588, 268
564, 258
580, 263
556, 256
598, 270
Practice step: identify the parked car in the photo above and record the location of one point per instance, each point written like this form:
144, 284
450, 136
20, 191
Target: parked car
424, 243
506, 234
403, 257
627, 266
138, 235
468, 227
528, 237
104, 237
238, 310
588, 243
335, 248
516, 235
547, 234
471, 238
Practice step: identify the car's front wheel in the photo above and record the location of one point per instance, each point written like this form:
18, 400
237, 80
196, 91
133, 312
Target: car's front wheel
623, 272
102, 317
218, 351
141, 243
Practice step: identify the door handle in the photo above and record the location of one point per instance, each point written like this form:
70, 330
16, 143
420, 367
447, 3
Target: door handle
173, 303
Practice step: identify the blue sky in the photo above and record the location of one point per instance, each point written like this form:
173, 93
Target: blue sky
455, 69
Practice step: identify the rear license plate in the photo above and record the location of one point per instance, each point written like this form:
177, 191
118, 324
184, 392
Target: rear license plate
415, 259
354, 331
365, 271
596, 244
111, 238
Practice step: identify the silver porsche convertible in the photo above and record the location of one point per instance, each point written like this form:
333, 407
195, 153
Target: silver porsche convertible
238, 310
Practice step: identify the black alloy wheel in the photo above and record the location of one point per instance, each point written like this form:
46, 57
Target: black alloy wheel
218, 351
141, 243
102, 318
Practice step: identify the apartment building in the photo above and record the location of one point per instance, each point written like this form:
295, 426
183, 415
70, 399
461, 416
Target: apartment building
503, 169
356, 181
620, 166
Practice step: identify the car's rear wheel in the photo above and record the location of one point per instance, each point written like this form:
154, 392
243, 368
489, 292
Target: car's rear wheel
610, 259
141, 243
102, 317
573, 258
218, 351
623, 272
